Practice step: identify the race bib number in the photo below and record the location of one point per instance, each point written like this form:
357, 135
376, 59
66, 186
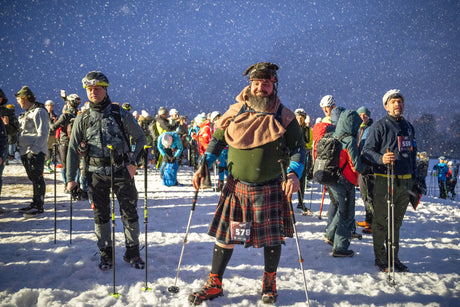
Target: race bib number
240, 231
404, 144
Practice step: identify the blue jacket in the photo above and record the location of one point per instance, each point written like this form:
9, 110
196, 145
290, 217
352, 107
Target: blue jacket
176, 144
396, 134
441, 169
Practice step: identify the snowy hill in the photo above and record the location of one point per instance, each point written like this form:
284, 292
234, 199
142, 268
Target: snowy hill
34, 271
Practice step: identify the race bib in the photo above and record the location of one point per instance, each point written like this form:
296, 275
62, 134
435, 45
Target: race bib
404, 144
240, 231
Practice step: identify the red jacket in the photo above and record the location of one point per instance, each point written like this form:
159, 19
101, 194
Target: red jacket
204, 136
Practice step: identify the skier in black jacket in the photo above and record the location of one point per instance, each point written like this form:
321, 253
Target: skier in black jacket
65, 123
396, 135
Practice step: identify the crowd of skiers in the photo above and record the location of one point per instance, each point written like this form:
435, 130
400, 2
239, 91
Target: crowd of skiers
263, 152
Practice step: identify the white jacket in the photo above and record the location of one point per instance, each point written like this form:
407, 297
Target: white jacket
33, 130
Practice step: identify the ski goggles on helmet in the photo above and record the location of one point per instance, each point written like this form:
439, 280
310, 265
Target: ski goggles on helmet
94, 82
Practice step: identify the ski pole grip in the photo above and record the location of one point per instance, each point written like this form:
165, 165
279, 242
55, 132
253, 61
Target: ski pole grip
283, 169
112, 159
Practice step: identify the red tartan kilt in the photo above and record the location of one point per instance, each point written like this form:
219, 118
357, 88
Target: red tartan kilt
265, 206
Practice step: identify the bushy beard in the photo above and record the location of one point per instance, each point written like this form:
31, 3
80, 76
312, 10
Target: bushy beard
261, 104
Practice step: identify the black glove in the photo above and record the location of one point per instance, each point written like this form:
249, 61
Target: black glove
415, 194
76, 192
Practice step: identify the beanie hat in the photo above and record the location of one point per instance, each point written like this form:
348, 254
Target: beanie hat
95, 78
173, 112
49, 103
214, 115
450, 163
300, 112
262, 70
145, 113
135, 114
27, 93
73, 100
127, 106
327, 101
167, 140
362, 110
162, 111
390, 95
442, 158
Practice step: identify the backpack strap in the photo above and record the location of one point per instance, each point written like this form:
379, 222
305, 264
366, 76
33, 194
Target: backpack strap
340, 138
115, 111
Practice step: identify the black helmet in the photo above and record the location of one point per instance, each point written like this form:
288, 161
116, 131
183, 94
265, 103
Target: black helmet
127, 106
73, 100
95, 78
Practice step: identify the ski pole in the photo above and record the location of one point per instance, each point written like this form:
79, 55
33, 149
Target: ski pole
71, 202
55, 171
146, 152
214, 185
322, 202
390, 221
311, 191
112, 161
204, 165
291, 210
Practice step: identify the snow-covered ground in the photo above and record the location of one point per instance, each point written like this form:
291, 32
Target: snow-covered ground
36, 271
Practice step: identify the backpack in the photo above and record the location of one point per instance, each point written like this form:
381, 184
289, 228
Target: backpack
115, 112
326, 168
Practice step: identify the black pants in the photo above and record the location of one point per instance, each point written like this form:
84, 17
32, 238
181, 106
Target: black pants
124, 189
34, 165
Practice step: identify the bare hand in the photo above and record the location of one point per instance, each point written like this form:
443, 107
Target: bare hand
196, 180
291, 185
71, 185
388, 157
6, 120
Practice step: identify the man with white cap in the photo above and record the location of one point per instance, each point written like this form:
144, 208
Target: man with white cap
391, 140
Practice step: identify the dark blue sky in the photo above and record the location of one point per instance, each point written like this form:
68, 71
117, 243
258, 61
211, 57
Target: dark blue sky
190, 55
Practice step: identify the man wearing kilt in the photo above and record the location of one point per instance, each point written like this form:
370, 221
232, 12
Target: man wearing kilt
253, 208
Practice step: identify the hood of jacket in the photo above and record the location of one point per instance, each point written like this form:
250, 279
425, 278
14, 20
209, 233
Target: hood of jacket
348, 122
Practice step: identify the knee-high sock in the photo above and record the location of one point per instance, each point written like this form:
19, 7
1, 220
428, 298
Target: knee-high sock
220, 258
272, 256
